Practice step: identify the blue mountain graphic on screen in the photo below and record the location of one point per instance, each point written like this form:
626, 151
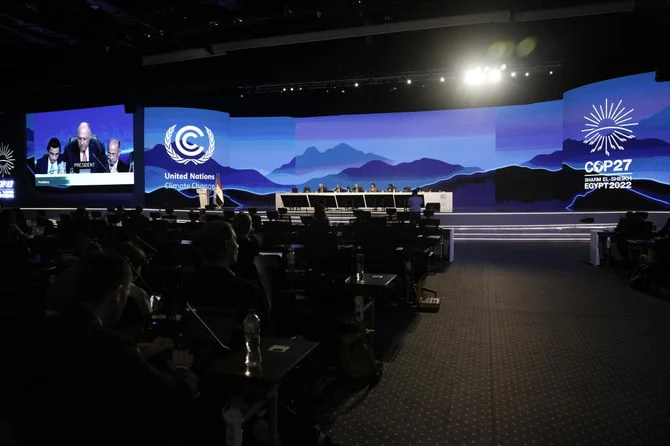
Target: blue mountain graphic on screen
157, 162
412, 174
655, 126
576, 152
314, 162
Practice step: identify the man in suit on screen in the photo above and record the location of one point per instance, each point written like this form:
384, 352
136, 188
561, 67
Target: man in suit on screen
85, 153
113, 152
48, 164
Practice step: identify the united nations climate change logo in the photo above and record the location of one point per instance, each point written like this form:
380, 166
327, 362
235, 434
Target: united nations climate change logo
6, 160
608, 128
188, 149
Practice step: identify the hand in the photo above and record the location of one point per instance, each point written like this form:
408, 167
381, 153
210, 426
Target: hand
181, 358
156, 347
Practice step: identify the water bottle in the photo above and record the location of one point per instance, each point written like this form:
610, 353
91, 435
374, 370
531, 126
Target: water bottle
61, 168
252, 338
360, 267
132, 166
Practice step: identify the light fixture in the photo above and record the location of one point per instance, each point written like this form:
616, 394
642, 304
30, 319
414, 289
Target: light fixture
513, 74
527, 74
356, 84
409, 81
494, 75
442, 79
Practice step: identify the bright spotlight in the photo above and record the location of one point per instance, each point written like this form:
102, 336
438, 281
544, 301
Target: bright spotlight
494, 75
442, 79
513, 74
474, 77
409, 81
356, 84
551, 72
503, 67
527, 74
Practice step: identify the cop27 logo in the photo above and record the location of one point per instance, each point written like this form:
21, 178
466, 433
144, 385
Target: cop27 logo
188, 149
6, 160
609, 127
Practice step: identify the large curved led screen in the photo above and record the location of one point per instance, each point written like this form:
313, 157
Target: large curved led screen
603, 147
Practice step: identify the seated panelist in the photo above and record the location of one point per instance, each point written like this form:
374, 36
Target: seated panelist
49, 163
113, 152
373, 188
322, 188
391, 188
357, 188
85, 153
339, 188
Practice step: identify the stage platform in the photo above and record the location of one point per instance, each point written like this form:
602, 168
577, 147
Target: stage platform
512, 226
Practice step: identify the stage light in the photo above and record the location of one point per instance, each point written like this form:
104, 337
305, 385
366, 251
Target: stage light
356, 84
503, 67
291, 88
527, 74
494, 76
551, 72
441, 79
474, 77
513, 74
409, 81
284, 89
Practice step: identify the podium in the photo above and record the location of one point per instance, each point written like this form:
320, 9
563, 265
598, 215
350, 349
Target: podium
203, 194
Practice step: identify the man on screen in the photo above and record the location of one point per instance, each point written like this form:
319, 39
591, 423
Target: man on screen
85, 153
49, 163
113, 152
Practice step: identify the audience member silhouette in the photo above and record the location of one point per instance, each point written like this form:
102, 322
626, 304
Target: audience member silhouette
247, 247
94, 386
137, 311
320, 217
216, 285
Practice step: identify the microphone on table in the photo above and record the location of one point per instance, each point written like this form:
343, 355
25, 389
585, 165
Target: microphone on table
188, 307
96, 158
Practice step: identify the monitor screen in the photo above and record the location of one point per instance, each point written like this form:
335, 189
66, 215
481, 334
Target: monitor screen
85, 147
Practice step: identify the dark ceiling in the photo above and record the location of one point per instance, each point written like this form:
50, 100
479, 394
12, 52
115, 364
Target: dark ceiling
66, 53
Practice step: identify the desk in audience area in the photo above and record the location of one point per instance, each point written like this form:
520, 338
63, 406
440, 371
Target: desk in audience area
346, 200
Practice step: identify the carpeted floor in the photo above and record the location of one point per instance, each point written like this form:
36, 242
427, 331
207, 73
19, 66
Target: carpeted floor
532, 345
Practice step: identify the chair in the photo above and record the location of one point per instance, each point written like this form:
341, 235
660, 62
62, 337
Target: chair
294, 190
74, 138
428, 213
272, 215
435, 207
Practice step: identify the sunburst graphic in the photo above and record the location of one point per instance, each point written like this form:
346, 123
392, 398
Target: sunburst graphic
608, 127
6, 160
